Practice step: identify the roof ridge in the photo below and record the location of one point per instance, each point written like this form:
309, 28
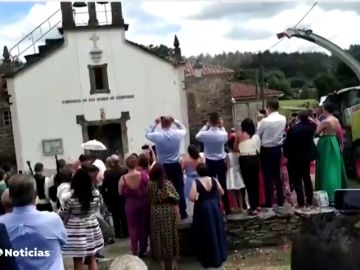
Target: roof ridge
210, 65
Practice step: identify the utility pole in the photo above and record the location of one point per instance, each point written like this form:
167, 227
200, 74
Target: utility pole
257, 84
261, 80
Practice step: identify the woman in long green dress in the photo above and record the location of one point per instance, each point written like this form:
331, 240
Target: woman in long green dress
330, 169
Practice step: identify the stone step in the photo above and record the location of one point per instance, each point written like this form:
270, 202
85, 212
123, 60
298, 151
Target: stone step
31, 57
43, 49
53, 41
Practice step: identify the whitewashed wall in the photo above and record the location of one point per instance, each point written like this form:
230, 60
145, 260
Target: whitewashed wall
38, 92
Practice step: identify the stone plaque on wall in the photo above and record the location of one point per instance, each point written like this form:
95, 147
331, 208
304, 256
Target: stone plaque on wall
52, 147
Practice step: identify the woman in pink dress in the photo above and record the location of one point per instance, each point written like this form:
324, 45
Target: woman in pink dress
133, 186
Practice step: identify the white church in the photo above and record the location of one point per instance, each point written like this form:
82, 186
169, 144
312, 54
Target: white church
92, 83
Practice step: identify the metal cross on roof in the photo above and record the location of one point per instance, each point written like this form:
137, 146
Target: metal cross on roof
94, 38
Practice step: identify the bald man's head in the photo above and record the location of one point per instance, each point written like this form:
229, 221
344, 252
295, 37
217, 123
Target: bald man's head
22, 190
166, 122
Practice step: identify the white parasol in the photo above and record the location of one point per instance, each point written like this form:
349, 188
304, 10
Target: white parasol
93, 145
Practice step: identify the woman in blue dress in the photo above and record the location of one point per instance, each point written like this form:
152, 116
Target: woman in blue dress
208, 224
190, 162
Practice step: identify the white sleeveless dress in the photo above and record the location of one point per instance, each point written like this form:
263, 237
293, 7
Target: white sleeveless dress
234, 180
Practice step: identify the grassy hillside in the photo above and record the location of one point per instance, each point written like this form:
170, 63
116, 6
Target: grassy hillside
299, 103
289, 106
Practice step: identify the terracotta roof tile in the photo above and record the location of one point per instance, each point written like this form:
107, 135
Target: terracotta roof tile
206, 69
248, 91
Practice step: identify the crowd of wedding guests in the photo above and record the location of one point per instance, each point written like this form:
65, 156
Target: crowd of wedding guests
273, 161
249, 169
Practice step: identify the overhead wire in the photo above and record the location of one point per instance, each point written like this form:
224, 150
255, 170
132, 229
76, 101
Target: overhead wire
307, 13
300, 21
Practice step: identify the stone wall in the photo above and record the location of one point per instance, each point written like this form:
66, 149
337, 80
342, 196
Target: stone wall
261, 231
206, 95
7, 147
266, 229
249, 232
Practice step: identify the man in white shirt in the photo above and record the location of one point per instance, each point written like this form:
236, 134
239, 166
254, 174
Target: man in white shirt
271, 131
214, 136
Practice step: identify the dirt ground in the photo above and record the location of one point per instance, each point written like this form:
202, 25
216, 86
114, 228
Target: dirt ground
276, 258
269, 258
273, 258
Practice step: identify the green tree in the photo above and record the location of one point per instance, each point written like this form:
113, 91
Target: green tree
297, 82
308, 93
273, 83
276, 80
326, 83
162, 50
284, 86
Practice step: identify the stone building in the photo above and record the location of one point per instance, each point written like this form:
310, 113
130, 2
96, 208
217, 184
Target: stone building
211, 89
247, 101
7, 148
91, 83
207, 89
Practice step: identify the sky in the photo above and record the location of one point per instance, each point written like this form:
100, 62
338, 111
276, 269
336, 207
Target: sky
207, 26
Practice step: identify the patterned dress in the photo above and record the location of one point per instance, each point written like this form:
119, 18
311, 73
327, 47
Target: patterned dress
83, 230
164, 238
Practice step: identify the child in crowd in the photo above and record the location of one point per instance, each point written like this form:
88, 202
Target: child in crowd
234, 181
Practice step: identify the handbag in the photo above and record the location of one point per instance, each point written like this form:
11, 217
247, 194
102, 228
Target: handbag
106, 228
321, 198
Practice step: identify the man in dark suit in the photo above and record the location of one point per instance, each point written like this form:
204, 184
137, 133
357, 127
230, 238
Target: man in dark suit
115, 202
300, 150
6, 262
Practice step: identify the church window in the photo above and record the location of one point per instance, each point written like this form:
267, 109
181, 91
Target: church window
99, 83
7, 118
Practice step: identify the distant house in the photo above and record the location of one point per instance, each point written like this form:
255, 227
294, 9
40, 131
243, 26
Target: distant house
247, 100
207, 89
212, 89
